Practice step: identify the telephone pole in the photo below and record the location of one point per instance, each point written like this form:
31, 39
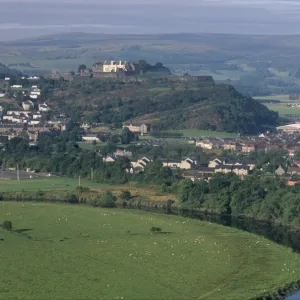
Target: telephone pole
79, 181
92, 173
18, 173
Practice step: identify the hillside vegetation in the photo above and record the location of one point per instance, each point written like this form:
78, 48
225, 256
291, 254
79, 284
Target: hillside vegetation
167, 102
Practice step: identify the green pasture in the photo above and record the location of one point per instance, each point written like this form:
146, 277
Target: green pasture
47, 184
58, 251
281, 98
283, 110
199, 133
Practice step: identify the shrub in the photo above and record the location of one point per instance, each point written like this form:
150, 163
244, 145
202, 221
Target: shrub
125, 195
7, 225
82, 189
73, 199
155, 229
106, 200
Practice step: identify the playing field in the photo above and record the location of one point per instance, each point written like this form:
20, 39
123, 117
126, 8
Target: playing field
47, 184
58, 251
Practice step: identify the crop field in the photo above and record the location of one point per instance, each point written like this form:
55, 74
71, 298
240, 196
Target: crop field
47, 184
58, 251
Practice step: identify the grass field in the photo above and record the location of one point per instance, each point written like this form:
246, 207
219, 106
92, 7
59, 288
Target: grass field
281, 98
283, 110
77, 252
198, 133
48, 184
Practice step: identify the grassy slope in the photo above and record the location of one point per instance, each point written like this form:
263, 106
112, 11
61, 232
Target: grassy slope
75, 252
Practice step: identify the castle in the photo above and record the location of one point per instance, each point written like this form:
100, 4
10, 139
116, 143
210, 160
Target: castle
110, 67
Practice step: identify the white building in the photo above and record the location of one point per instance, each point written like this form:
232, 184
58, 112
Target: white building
16, 86
91, 138
2, 95
33, 96
44, 107
27, 105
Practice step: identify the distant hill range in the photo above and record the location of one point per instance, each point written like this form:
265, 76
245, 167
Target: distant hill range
172, 49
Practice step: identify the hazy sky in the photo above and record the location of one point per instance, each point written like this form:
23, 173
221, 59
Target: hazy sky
23, 18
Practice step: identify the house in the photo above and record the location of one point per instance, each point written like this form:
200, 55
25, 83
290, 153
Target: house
215, 162
293, 183
141, 128
44, 107
198, 174
123, 153
223, 169
293, 170
248, 147
114, 66
91, 138
27, 105
184, 164
16, 86
240, 170
205, 144
141, 163
233, 146
33, 96
280, 171
2, 95
109, 159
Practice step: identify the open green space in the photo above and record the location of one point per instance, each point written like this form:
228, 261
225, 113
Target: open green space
281, 98
284, 110
198, 133
47, 184
58, 251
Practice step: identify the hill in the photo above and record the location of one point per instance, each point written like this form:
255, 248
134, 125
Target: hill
167, 102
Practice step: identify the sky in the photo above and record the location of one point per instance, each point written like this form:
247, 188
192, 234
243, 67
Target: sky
26, 18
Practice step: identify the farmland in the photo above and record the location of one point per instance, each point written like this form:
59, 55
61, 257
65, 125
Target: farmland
111, 254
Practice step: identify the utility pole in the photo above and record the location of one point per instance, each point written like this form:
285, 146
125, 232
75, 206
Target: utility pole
92, 173
18, 173
79, 181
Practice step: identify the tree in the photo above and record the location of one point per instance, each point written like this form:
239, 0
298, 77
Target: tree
127, 136
7, 225
81, 68
125, 195
106, 200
